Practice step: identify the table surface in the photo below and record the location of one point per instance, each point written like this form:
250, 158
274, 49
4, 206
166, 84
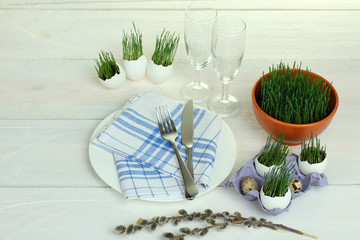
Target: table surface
51, 101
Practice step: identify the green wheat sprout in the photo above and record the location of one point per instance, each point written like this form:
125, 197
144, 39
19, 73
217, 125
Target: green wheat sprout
132, 44
277, 181
274, 152
293, 96
312, 152
165, 48
106, 66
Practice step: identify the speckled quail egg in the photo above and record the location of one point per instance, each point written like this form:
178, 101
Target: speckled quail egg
295, 186
248, 184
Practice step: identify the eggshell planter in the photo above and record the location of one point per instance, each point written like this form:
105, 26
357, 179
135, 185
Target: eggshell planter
158, 73
307, 168
135, 69
261, 169
116, 81
275, 202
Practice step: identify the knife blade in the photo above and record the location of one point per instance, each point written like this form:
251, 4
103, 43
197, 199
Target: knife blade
187, 132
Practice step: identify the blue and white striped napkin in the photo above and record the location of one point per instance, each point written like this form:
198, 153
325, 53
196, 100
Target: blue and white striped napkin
146, 164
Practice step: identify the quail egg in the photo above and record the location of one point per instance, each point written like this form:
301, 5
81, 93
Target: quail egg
248, 184
295, 186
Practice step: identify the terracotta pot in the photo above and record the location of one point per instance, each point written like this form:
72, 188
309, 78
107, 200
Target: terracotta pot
294, 133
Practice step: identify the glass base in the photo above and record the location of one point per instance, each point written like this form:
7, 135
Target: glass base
224, 108
200, 93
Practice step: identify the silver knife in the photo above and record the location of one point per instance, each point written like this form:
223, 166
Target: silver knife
187, 132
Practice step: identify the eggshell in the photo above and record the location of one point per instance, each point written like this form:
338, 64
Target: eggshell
290, 151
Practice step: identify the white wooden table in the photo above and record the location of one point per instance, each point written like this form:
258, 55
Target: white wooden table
50, 102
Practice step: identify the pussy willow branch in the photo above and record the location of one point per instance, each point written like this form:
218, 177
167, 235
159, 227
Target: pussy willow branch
251, 221
209, 217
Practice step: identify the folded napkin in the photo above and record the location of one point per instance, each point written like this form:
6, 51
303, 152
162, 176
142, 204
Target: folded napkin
146, 163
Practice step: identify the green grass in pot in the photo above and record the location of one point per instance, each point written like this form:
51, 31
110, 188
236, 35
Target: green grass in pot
132, 45
106, 66
277, 181
274, 152
293, 96
165, 48
312, 152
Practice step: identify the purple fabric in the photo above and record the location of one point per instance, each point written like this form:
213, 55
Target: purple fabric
314, 179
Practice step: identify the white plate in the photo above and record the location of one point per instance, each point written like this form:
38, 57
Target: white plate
103, 162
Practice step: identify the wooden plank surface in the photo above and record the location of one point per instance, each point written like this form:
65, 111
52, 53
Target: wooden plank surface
54, 153
62, 213
348, 5
78, 34
50, 103
68, 89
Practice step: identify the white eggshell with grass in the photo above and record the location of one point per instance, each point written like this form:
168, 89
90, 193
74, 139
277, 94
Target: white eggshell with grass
261, 169
135, 69
307, 168
158, 73
116, 81
275, 202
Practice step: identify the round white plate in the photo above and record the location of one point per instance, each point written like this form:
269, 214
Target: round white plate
103, 162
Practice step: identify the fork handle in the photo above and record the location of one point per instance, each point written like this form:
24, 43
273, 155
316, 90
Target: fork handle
190, 186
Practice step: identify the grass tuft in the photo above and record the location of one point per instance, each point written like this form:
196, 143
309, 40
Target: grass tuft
277, 181
274, 152
165, 48
132, 44
312, 152
294, 97
106, 66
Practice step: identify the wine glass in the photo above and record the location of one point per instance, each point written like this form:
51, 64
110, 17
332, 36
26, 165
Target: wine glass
228, 47
199, 20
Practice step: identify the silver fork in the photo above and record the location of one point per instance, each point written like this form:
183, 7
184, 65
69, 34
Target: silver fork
168, 132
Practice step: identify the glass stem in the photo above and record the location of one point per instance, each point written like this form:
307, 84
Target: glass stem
225, 92
197, 79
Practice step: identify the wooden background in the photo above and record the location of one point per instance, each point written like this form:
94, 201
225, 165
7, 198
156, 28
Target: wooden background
50, 102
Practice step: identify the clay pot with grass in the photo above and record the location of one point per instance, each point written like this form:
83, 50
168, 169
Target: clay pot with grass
295, 102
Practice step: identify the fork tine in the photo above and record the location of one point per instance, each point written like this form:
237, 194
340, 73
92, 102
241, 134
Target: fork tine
171, 120
159, 119
165, 119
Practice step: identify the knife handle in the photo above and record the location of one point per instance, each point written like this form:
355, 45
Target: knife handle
191, 189
190, 162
